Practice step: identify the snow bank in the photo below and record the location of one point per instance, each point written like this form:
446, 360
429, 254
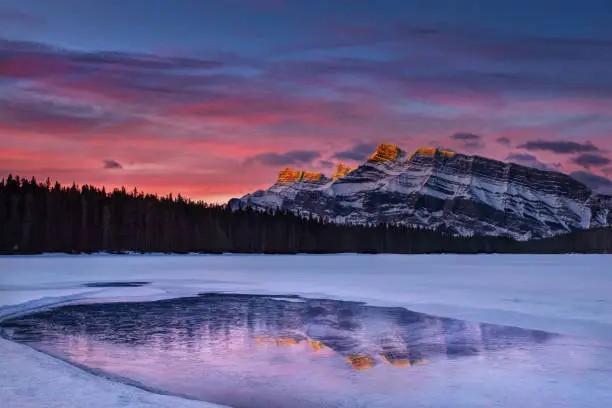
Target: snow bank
32, 379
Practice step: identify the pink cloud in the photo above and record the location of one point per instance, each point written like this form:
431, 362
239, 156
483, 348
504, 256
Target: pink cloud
174, 130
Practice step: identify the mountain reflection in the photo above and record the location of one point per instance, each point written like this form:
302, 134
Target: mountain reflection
363, 336
250, 351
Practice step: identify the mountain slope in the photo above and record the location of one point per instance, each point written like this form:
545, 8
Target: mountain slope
439, 189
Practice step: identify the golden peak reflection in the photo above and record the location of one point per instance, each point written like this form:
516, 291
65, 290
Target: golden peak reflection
265, 343
281, 341
392, 360
286, 342
360, 362
315, 345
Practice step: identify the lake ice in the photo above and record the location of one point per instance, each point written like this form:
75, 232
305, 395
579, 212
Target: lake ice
499, 331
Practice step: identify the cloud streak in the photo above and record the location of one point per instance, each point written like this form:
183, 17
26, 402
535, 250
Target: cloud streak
503, 141
12, 16
281, 159
526, 159
588, 160
560, 147
358, 152
466, 137
111, 164
206, 112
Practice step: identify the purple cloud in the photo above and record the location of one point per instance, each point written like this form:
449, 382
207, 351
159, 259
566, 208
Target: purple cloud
503, 141
468, 137
470, 141
588, 160
283, 159
358, 152
561, 147
11, 16
111, 164
526, 159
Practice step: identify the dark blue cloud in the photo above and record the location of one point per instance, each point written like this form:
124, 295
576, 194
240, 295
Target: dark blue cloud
559, 146
326, 164
529, 160
469, 141
282, 159
588, 160
358, 152
111, 164
12, 17
42, 112
503, 141
467, 137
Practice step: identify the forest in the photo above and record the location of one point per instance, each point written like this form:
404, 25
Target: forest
39, 217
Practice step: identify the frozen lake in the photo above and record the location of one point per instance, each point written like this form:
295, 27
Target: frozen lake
307, 331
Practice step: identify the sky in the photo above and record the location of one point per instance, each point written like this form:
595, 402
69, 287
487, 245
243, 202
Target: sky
211, 98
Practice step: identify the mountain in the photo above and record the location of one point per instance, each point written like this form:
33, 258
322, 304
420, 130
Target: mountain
599, 184
434, 188
42, 217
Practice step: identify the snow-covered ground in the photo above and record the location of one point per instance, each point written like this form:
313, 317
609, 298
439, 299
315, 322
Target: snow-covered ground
568, 294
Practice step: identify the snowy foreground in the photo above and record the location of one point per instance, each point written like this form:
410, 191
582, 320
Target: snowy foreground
568, 294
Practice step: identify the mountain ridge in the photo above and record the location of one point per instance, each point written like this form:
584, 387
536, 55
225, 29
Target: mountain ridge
440, 189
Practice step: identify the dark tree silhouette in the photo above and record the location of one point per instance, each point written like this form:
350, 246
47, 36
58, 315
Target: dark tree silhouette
44, 217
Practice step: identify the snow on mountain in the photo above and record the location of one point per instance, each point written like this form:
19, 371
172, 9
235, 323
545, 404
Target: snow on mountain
435, 188
599, 184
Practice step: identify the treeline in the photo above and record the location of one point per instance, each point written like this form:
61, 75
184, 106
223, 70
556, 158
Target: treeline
593, 241
43, 217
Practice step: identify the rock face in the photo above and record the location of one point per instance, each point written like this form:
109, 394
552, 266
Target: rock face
434, 188
385, 152
290, 176
341, 171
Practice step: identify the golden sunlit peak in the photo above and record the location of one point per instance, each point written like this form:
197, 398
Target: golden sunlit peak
289, 175
342, 170
311, 176
385, 152
432, 151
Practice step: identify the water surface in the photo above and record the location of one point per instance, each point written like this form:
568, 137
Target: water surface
251, 351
